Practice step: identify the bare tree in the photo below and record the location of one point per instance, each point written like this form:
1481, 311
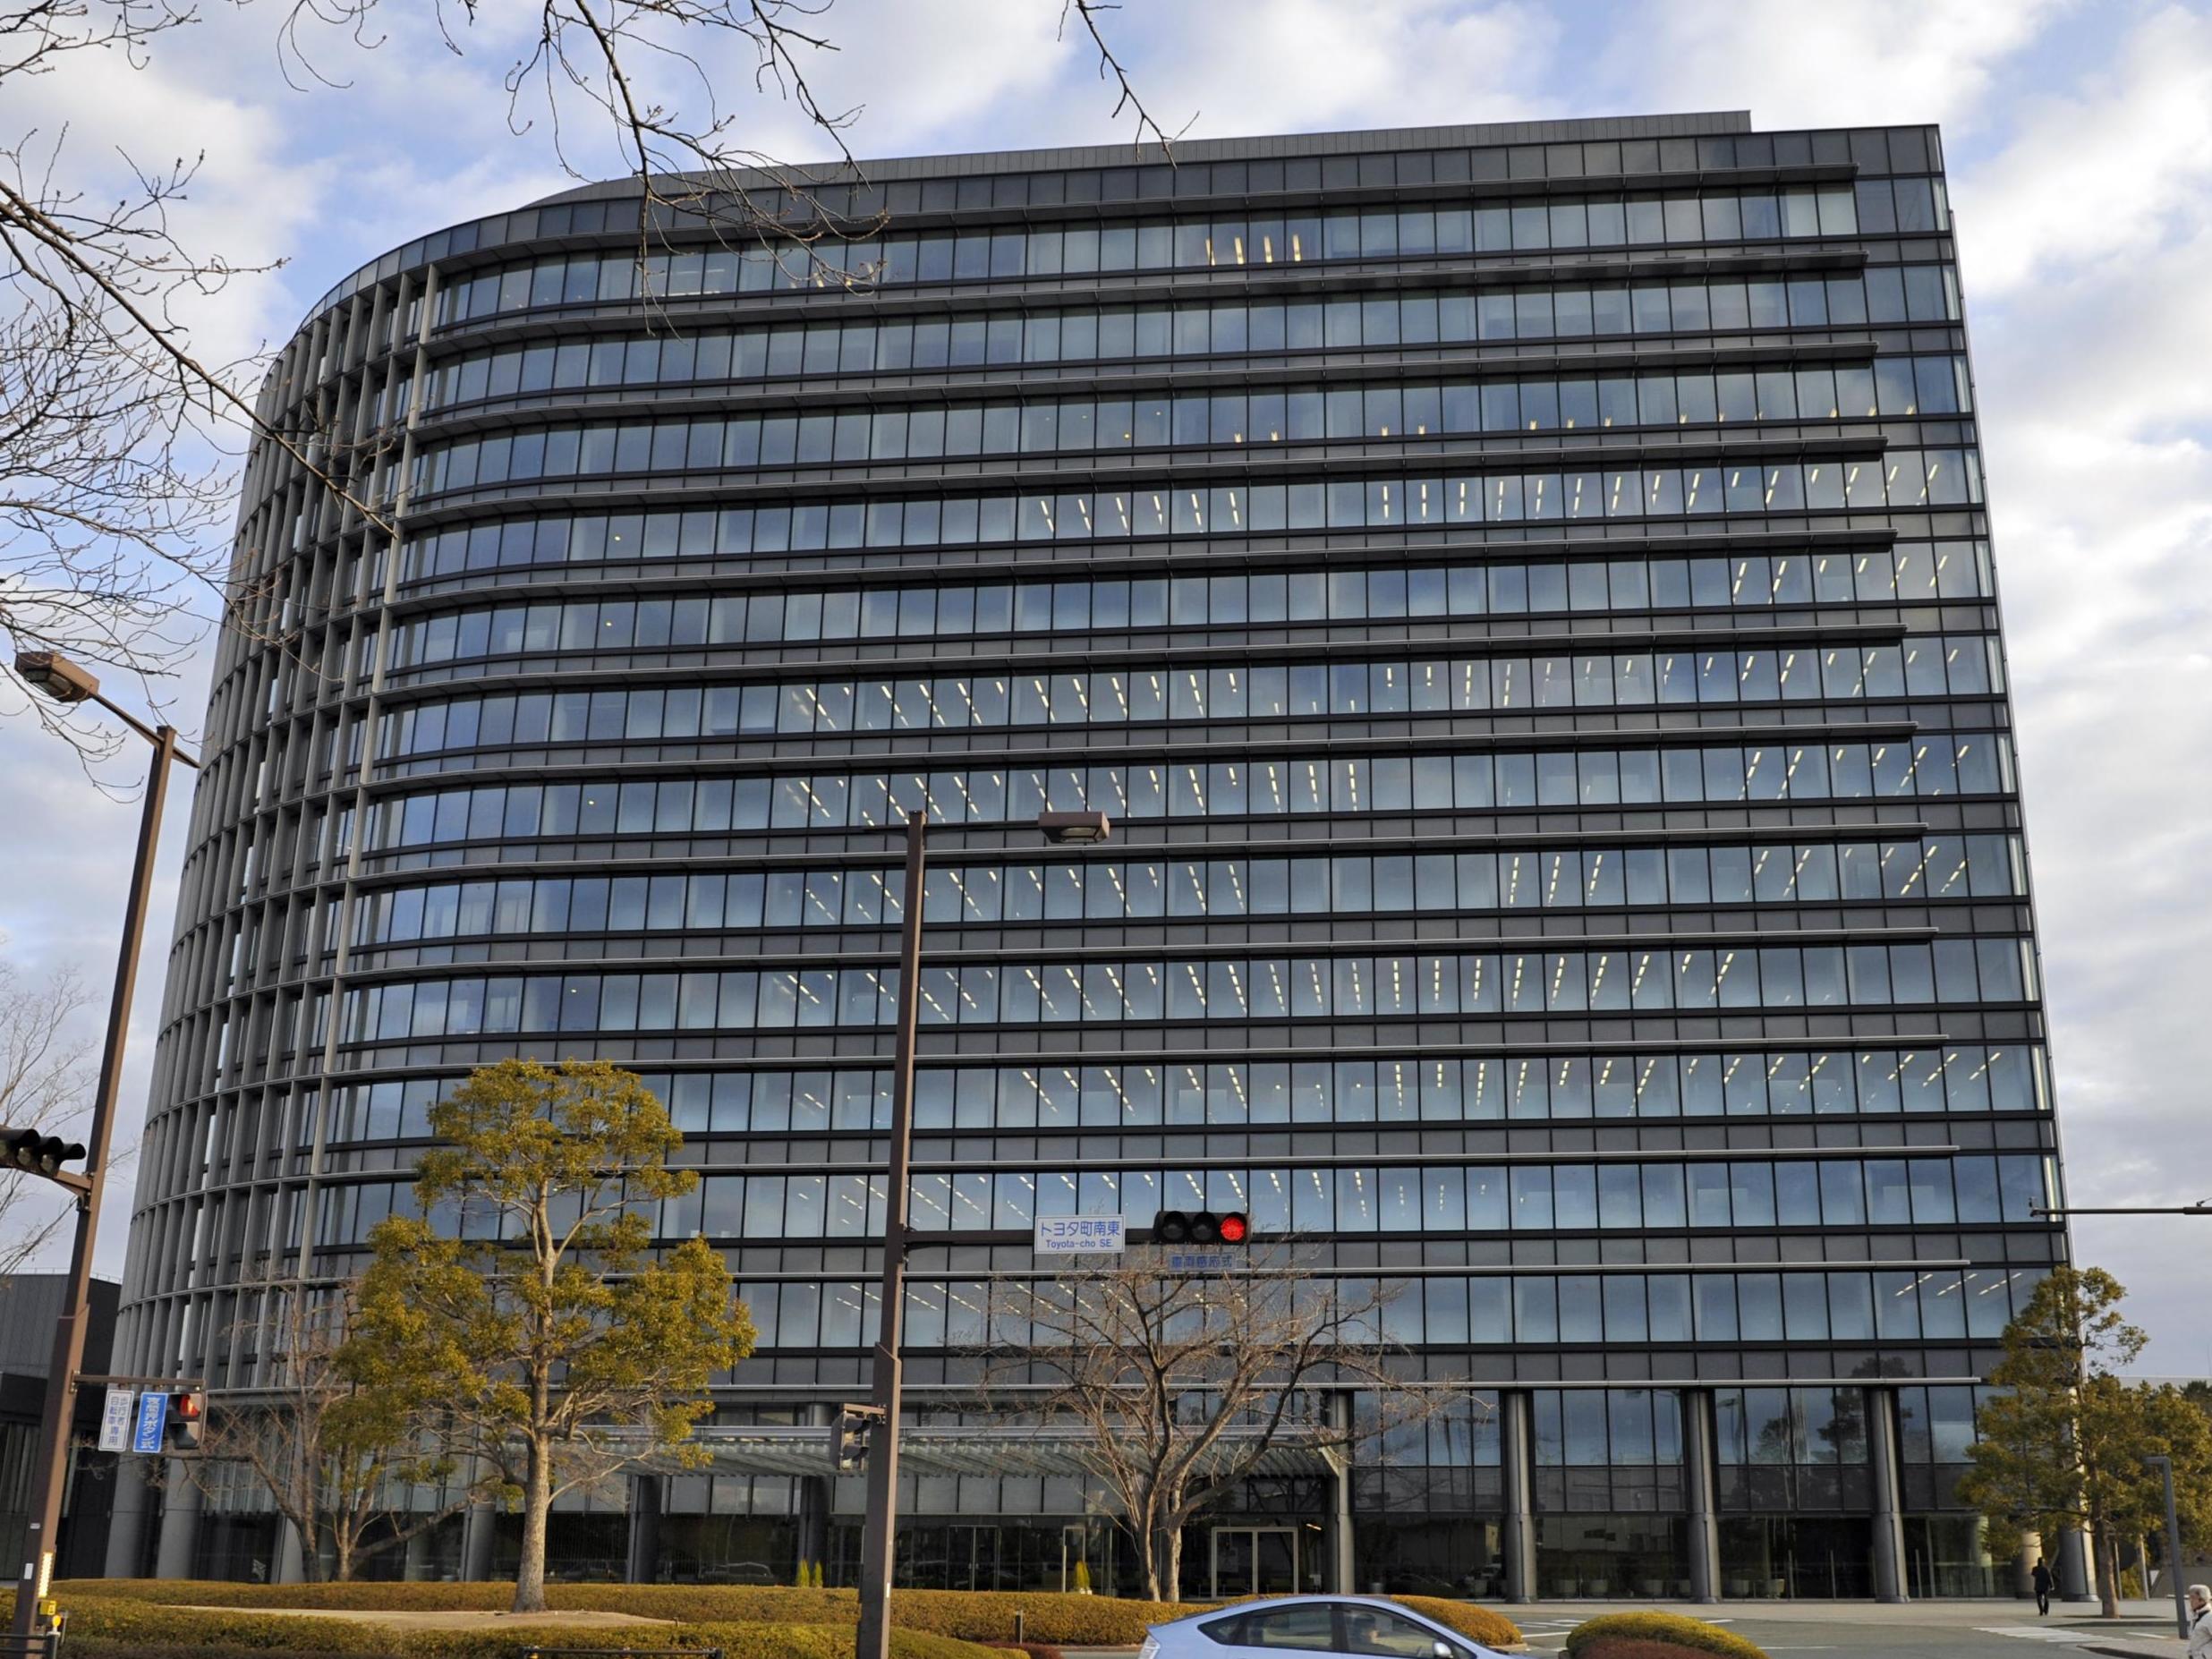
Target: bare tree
45, 1084
339, 1444
118, 443
1182, 1379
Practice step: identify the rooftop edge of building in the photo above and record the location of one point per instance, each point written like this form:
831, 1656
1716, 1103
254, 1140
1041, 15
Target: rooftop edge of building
1355, 142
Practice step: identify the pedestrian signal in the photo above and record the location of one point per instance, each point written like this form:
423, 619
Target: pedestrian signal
188, 1415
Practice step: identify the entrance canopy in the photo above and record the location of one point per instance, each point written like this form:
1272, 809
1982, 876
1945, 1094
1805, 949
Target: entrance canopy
1021, 1449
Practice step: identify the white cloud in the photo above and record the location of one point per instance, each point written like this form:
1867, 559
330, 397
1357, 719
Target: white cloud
2101, 173
1809, 63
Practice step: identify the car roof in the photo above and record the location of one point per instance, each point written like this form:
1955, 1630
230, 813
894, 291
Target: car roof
1293, 1601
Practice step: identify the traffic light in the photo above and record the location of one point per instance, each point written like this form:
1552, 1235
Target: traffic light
37, 1152
1200, 1227
188, 1413
848, 1437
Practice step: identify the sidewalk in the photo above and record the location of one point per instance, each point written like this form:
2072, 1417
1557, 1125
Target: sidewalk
2144, 1630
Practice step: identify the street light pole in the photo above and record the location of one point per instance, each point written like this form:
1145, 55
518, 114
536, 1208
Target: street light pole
66, 682
2174, 1550
874, 1638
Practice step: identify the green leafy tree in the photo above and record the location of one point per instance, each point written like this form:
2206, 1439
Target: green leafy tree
562, 1352
2064, 1445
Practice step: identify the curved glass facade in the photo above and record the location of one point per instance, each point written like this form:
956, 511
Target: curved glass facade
1524, 596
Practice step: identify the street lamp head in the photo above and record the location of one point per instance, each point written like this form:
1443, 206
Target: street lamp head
1075, 829
54, 675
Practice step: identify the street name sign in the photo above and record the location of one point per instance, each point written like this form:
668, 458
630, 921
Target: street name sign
1080, 1235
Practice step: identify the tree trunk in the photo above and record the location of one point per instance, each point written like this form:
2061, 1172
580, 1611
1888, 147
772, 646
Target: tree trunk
1146, 1537
1171, 1536
2105, 1551
537, 1504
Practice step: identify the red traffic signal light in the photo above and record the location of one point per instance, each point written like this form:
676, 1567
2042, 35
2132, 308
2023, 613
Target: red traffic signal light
1200, 1227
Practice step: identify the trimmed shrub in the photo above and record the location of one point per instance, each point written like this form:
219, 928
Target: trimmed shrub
1035, 1650
1048, 1619
1655, 1636
122, 1628
1633, 1647
1481, 1624
130, 1626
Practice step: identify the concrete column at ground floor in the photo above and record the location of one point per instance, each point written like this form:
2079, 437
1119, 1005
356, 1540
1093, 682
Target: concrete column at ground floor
1516, 1430
2077, 1570
291, 1556
126, 1524
816, 1494
2024, 1567
1698, 1466
180, 1524
817, 1497
1889, 1521
1337, 1570
645, 1491
477, 1530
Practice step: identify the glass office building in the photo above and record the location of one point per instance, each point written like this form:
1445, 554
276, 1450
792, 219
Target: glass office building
1524, 596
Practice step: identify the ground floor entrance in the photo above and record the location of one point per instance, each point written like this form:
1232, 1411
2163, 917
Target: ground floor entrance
1253, 1561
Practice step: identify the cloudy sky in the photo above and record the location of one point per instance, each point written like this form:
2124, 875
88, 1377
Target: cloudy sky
2080, 148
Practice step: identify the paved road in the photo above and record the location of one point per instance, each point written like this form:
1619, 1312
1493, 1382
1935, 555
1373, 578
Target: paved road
2008, 1629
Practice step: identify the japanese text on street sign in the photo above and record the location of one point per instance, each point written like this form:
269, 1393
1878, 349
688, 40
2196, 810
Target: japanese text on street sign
116, 1415
1080, 1235
153, 1416
1200, 1260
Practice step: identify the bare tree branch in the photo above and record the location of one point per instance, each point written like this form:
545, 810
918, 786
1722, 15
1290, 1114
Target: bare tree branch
120, 442
347, 1461
1110, 69
1186, 1379
46, 1083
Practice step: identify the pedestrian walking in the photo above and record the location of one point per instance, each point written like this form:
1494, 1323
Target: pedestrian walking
2199, 1621
2041, 1580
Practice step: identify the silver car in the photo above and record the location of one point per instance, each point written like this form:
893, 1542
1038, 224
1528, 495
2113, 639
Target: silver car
1358, 1627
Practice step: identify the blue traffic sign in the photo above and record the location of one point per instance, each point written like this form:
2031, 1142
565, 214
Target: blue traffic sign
153, 1417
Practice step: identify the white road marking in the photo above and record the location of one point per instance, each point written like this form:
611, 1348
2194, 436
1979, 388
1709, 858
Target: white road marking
2046, 1633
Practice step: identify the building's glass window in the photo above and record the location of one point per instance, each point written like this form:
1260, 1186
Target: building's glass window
1937, 765
1295, 238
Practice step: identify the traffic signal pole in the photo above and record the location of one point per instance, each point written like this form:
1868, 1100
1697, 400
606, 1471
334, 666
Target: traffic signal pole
50, 1474
874, 1638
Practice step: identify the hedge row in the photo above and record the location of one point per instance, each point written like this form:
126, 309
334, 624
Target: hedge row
969, 1615
1645, 1635
143, 1628
979, 1616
